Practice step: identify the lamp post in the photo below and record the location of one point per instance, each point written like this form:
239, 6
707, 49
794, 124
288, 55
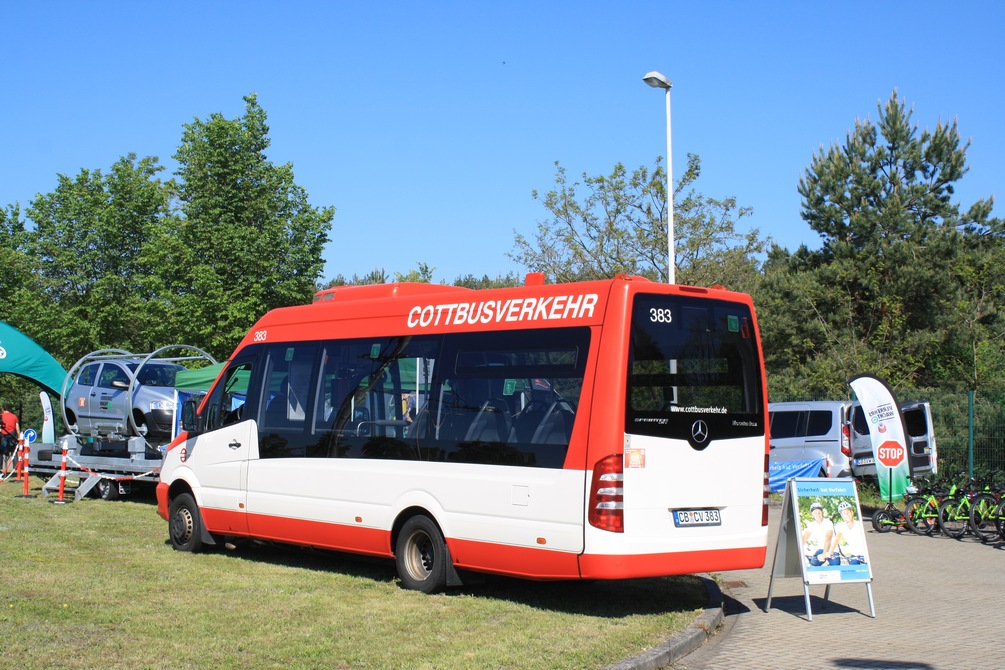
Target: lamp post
656, 80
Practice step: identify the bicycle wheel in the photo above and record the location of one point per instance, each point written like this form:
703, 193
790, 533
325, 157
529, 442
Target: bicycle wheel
1000, 519
983, 509
920, 517
882, 521
954, 518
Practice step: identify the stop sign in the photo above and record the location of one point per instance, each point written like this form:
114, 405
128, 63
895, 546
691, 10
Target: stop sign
891, 454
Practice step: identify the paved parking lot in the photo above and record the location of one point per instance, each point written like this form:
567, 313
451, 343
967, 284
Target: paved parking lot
938, 605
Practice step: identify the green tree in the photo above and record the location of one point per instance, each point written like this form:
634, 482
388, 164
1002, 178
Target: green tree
375, 276
17, 267
250, 240
21, 304
87, 250
423, 273
619, 227
502, 281
879, 295
974, 353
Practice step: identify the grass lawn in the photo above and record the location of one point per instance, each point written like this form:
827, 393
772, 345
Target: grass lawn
96, 584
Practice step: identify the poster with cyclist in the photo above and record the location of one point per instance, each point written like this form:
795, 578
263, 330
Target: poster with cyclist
886, 432
831, 535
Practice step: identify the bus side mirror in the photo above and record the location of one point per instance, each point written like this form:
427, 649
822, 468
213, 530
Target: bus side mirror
189, 417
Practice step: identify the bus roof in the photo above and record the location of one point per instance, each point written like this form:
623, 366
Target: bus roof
402, 308
371, 291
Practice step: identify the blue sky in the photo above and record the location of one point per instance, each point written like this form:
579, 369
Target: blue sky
427, 125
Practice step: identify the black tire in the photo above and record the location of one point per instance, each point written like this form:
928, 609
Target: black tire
983, 510
185, 524
882, 521
953, 520
141, 424
1000, 519
107, 489
421, 555
71, 420
919, 515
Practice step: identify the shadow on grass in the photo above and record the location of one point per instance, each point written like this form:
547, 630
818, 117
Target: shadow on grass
607, 599
142, 492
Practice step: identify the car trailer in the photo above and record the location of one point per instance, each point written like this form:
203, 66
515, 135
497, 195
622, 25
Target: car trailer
108, 463
109, 467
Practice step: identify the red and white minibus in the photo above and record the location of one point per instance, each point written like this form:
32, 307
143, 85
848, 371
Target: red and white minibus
596, 430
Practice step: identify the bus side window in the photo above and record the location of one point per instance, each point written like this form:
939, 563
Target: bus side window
226, 405
286, 399
340, 408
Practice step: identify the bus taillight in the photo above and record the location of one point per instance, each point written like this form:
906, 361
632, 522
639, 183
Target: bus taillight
607, 495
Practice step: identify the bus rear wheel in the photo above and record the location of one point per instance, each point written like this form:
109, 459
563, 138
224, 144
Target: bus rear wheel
421, 555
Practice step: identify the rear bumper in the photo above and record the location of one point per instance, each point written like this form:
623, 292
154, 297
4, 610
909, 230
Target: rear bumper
595, 566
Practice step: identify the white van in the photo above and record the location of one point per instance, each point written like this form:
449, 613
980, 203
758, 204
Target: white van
803, 431
922, 452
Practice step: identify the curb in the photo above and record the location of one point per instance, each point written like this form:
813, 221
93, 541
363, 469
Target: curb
685, 642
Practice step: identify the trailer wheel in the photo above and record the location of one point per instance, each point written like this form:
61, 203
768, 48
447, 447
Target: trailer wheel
108, 489
421, 555
185, 524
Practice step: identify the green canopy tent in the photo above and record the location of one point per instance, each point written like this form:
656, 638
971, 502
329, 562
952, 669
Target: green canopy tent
194, 381
19, 355
198, 380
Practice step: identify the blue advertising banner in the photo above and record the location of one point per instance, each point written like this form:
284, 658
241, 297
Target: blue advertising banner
782, 471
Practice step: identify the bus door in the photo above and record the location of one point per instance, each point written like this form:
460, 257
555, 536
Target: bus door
281, 485
220, 453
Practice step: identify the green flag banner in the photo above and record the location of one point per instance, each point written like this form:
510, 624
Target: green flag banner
886, 430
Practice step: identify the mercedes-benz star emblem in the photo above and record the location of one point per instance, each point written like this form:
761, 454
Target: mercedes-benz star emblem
699, 431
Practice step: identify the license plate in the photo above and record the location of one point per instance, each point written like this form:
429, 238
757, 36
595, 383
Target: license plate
696, 517
865, 461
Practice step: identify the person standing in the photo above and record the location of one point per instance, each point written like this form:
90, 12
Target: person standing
10, 433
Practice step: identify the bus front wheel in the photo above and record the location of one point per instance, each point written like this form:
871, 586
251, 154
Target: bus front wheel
185, 524
421, 555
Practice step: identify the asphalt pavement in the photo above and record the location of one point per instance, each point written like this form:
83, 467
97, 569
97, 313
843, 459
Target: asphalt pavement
938, 605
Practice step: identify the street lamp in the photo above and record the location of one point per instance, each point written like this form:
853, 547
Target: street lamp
656, 80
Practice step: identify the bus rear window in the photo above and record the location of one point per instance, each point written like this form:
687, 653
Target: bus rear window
690, 359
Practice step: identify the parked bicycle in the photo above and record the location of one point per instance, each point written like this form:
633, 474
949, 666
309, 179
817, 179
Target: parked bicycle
984, 511
954, 513
1000, 519
888, 518
922, 510
892, 517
